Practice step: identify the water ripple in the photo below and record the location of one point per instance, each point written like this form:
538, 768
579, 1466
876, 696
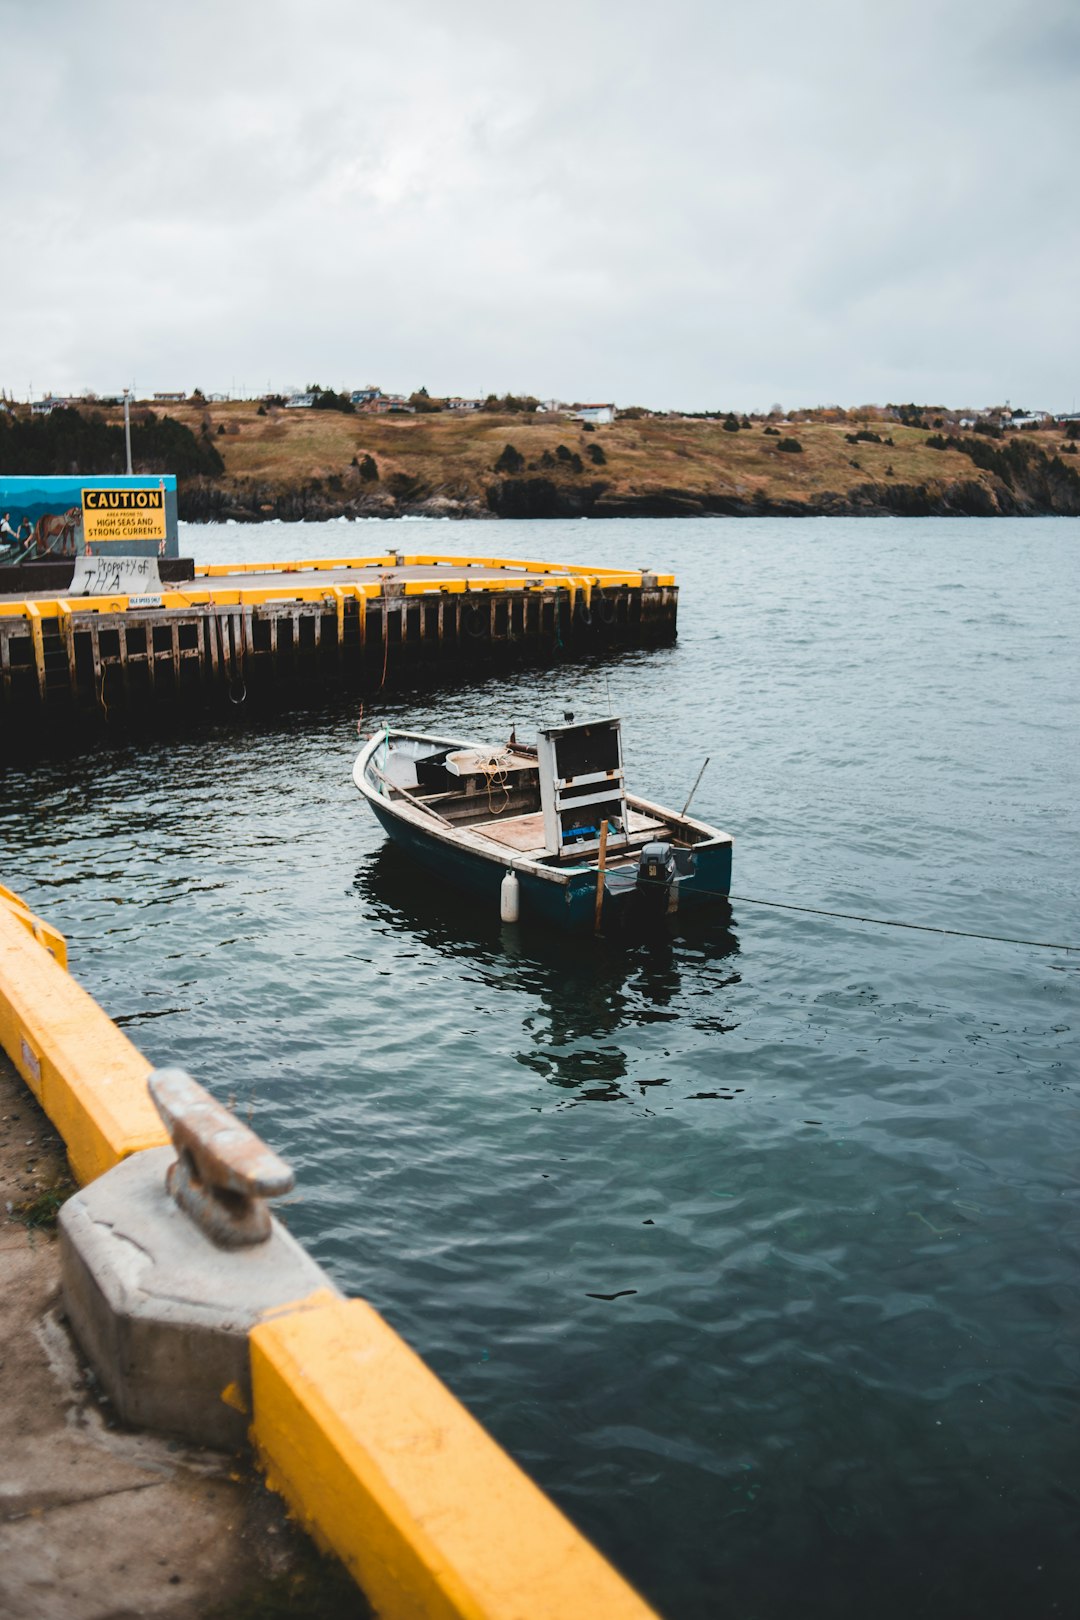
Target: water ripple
758, 1246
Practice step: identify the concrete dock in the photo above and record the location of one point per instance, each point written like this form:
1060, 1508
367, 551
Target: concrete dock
267, 633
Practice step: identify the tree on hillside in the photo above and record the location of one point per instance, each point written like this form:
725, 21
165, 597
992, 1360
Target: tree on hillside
511, 403
909, 415
511, 460
67, 442
324, 399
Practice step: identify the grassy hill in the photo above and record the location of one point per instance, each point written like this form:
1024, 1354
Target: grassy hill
312, 463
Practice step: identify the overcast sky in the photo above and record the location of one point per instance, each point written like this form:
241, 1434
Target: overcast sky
692, 203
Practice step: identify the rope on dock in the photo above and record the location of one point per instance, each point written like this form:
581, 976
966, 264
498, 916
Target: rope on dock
891, 922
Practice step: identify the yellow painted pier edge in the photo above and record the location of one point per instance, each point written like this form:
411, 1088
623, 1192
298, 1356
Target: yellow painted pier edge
45, 934
377, 1459
383, 1465
555, 577
85, 1073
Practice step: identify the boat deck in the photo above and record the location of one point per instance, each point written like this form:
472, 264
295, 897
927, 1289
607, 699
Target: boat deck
525, 834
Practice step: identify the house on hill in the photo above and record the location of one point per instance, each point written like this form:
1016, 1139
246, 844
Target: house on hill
389, 405
593, 413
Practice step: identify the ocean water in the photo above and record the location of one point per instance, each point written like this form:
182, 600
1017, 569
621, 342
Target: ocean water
758, 1245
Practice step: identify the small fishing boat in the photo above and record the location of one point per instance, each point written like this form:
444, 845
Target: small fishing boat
543, 831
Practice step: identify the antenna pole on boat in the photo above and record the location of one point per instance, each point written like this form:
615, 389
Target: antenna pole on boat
601, 863
694, 789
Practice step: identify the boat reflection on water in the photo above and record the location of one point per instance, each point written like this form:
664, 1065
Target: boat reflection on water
585, 990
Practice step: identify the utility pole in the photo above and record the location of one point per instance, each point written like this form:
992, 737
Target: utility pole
127, 428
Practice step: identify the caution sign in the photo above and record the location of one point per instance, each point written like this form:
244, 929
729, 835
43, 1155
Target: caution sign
123, 514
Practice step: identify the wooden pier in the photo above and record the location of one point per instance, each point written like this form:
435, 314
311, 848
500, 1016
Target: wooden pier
267, 633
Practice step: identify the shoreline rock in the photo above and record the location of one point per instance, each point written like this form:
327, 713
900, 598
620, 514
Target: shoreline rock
1043, 492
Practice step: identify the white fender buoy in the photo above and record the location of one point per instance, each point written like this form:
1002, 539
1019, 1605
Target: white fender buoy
510, 898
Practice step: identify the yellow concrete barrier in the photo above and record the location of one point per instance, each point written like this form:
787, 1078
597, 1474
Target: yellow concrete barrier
555, 576
86, 1074
381, 1464
45, 934
215, 570
238, 596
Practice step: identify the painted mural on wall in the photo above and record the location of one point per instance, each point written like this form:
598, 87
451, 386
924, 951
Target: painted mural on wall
53, 518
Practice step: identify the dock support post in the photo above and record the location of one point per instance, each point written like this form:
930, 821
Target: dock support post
151, 660
33, 613
5, 662
339, 604
234, 641
210, 637
95, 648
67, 633
124, 671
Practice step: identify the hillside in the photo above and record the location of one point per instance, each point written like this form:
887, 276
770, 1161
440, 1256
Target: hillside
306, 463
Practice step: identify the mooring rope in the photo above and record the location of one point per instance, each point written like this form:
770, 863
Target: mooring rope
891, 922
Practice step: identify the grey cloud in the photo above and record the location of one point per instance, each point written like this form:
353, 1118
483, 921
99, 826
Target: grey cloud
705, 203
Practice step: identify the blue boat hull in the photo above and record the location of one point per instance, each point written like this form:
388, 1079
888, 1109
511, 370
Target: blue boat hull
569, 904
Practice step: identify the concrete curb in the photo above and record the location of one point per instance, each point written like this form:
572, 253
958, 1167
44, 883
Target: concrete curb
381, 1463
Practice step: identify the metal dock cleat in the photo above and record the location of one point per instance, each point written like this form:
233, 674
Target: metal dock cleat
223, 1173
162, 1305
